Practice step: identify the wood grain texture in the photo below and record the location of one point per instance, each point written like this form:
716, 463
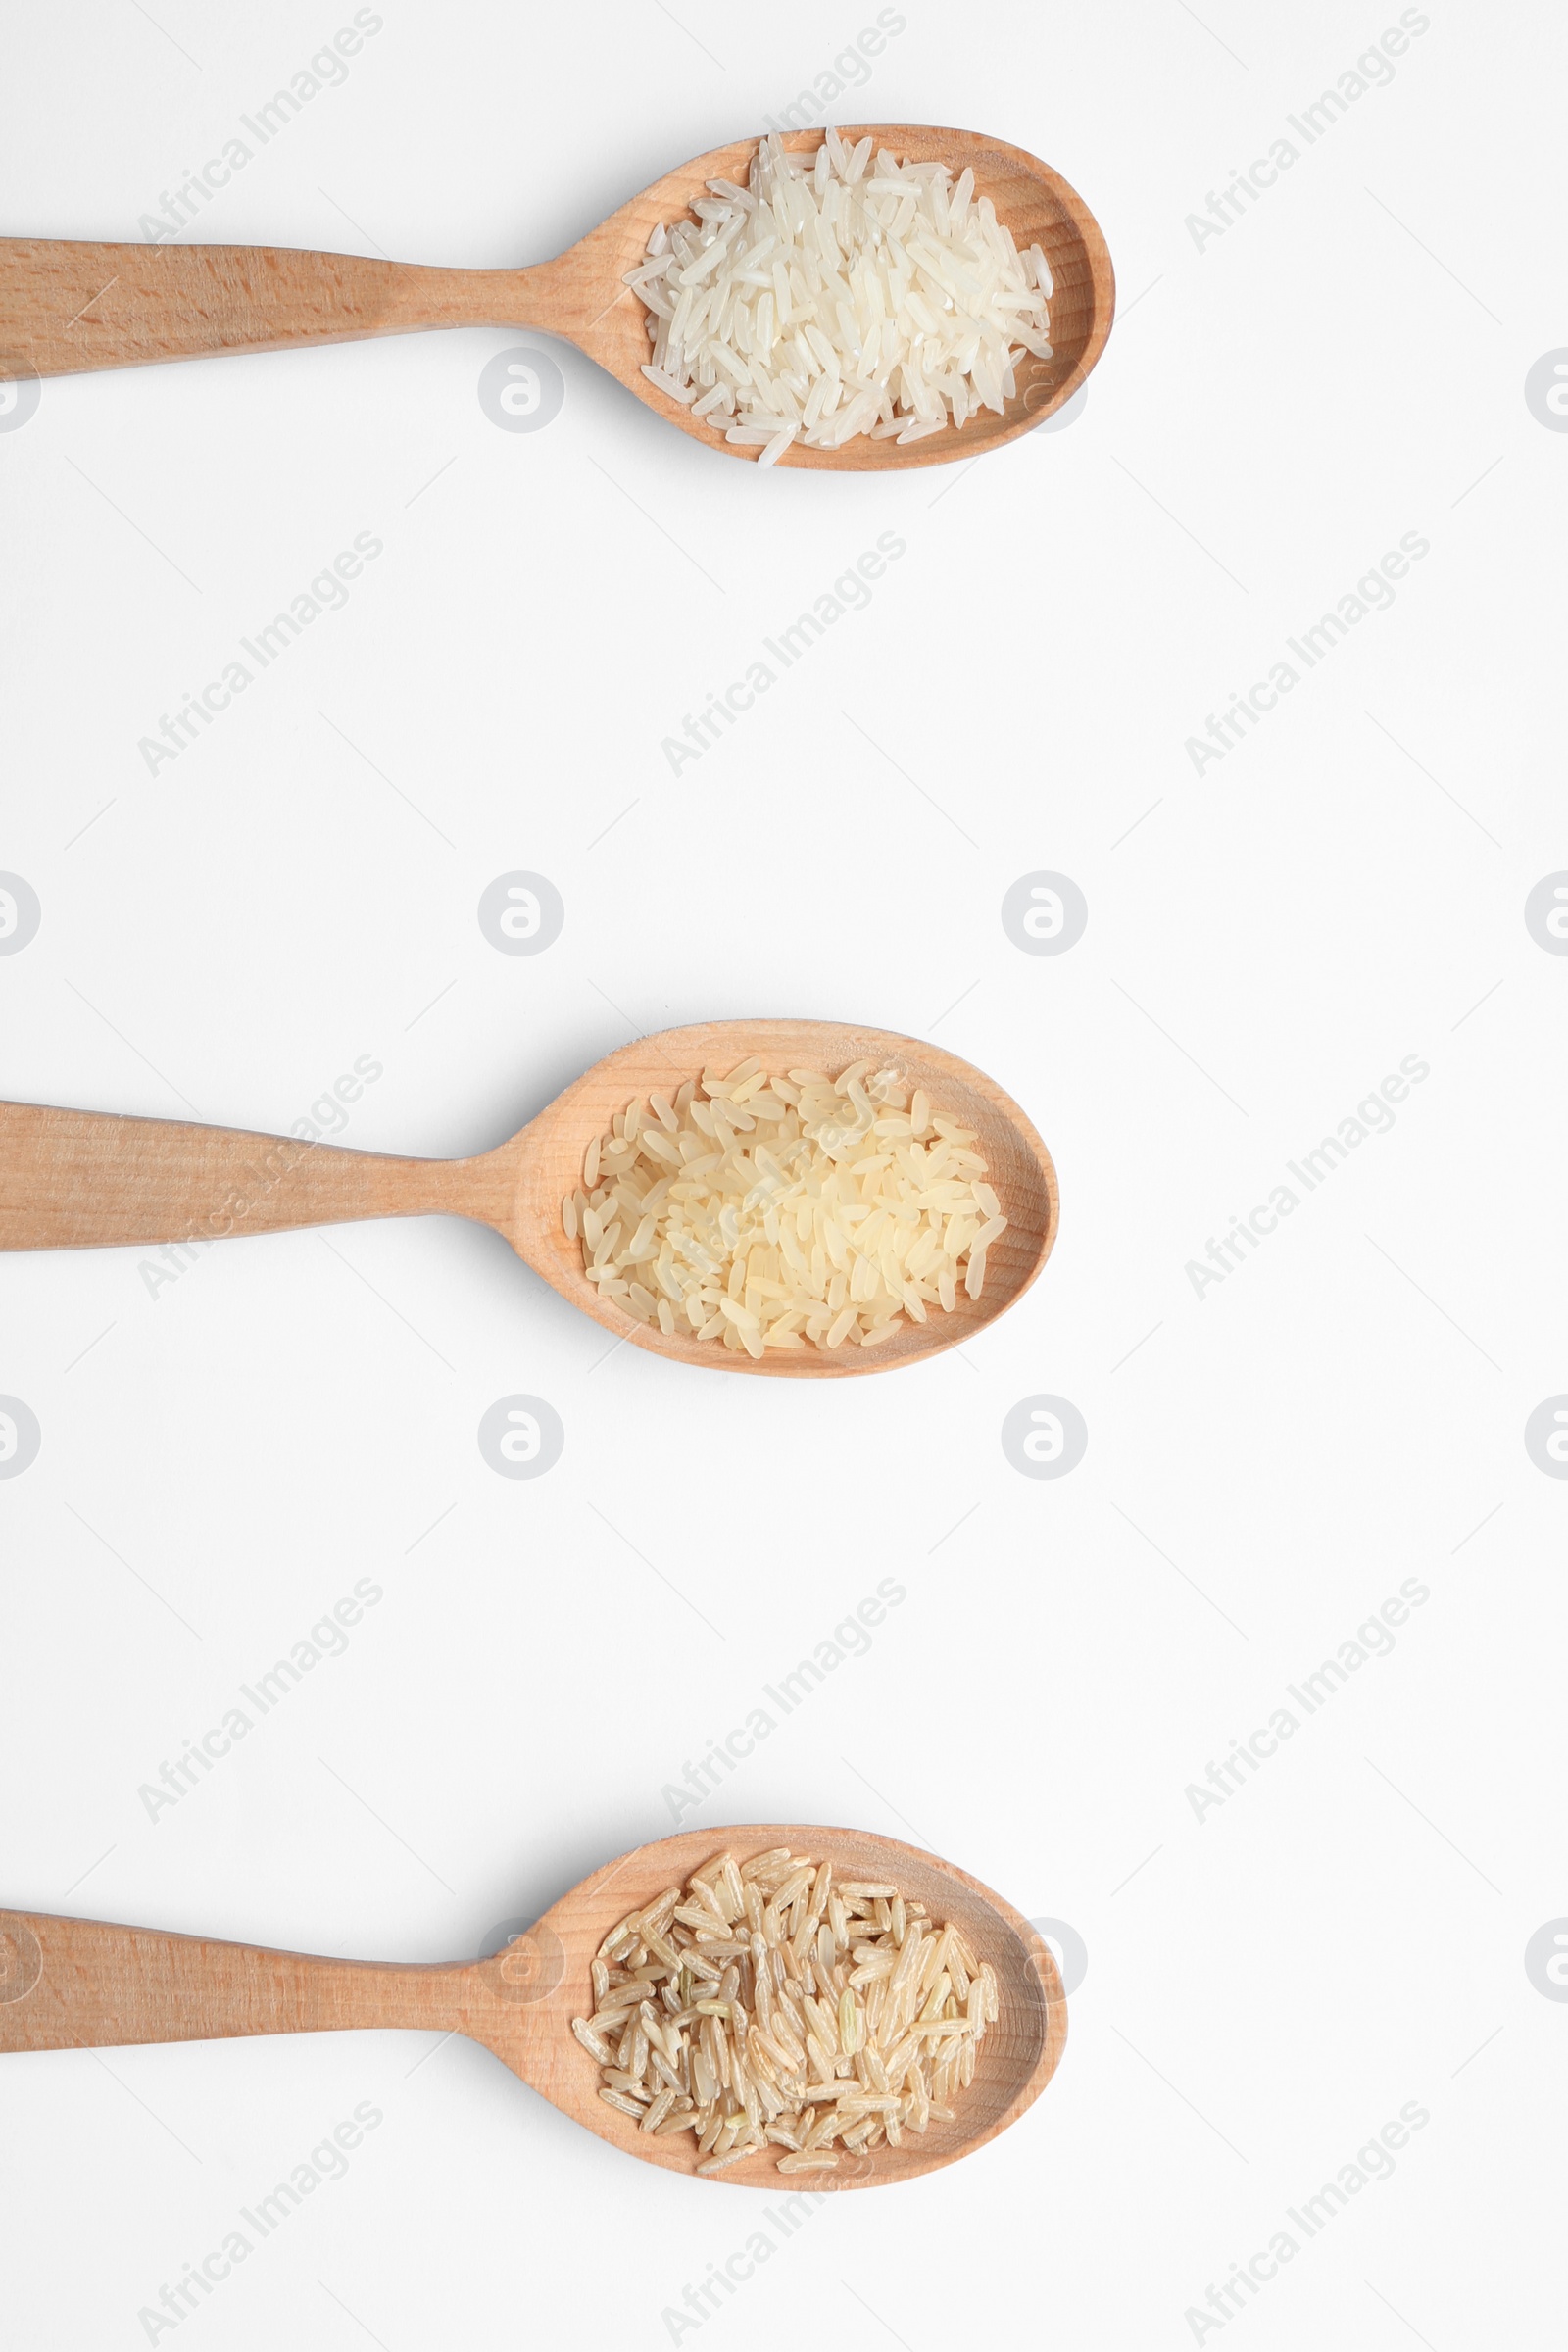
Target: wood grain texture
67, 307
70, 308
74, 1179
69, 1983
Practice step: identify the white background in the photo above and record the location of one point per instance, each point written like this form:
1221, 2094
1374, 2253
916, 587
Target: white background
221, 1458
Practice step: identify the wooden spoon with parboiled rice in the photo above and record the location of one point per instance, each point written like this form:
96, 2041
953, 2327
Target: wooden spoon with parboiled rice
841, 294
78, 1179
766, 2005
767, 1213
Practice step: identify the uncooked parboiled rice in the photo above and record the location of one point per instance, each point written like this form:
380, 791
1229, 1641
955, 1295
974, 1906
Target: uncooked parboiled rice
769, 2004
784, 1213
836, 295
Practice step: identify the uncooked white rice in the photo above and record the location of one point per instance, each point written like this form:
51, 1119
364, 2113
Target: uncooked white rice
784, 1213
826, 299
767, 2004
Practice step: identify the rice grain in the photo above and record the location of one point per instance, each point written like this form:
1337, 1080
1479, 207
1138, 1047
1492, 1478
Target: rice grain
820, 2026
782, 1212
836, 295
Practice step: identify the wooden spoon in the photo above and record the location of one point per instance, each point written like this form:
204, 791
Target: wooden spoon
74, 1179
65, 307
76, 1983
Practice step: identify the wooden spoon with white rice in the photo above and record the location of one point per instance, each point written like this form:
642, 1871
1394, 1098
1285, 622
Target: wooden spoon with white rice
877, 316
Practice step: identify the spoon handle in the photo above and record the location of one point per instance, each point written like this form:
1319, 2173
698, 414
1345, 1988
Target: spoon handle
78, 1179
69, 1983
67, 307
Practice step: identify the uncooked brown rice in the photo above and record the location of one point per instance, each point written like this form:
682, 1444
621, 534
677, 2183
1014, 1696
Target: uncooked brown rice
787, 1211
768, 2004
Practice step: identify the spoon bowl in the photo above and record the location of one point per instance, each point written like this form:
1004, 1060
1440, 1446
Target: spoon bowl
77, 1179
66, 307
83, 1984
1019, 1164
1034, 202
